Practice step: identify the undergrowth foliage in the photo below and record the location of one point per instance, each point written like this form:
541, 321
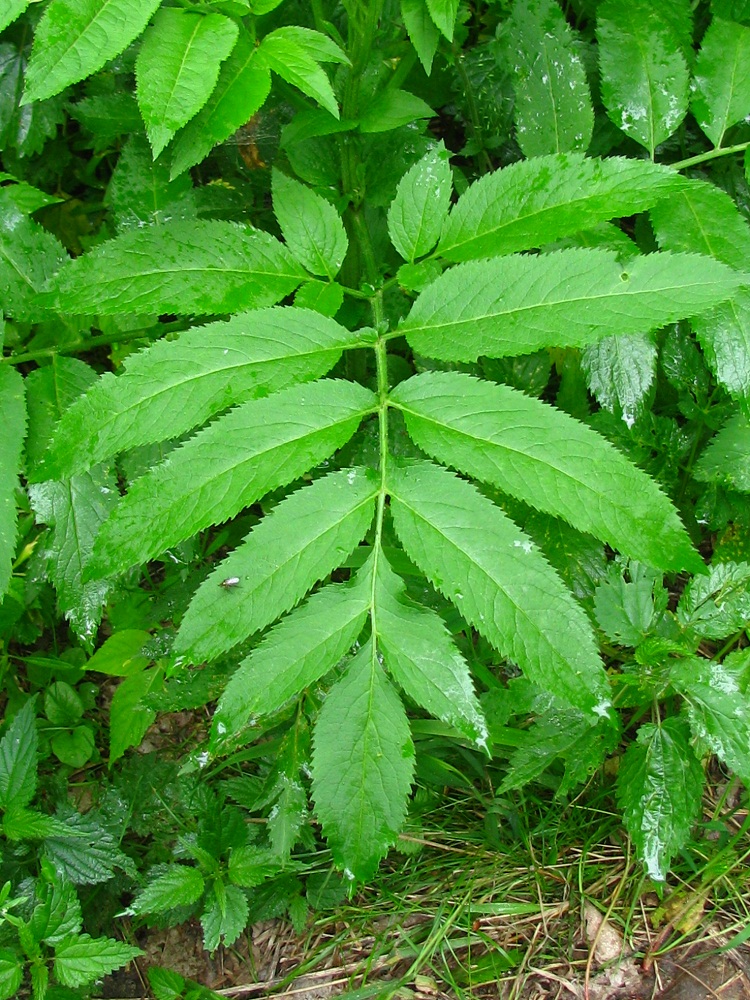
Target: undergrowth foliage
453, 407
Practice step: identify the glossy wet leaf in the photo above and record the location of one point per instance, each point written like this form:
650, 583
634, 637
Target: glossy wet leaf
718, 604
420, 208
620, 371
727, 457
721, 80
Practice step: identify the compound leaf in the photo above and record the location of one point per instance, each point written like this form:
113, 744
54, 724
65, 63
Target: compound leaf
311, 226
18, 759
502, 585
179, 885
421, 205
301, 541
515, 305
258, 446
547, 459
29, 255
82, 959
659, 787
363, 763
13, 422
534, 202
294, 53
727, 458
721, 81
620, 371
182, 267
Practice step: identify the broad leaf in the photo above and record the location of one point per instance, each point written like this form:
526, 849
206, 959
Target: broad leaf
534, 202
421, 656
75, 38
256, 447
177, 68
183, 267
515, 305
552, 110
241, 90
644, 73
18, 759
620, 371
717, 605
294, 54
11, 973
727, 458
58, 911
13, 423
84, 851
177, 384
721, 82
140, 191
391, 109
423, 32
547, 459
129, 718
250, 866
363, 762
311, 226
420, 208
295, 654
443, 13
82, 959
12, 10
178, 885
659, 787
225, 917
719, 712
29, 255
502, 585
627, 610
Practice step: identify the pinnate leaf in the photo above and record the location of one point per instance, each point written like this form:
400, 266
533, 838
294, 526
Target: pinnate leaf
75, 38
727, 458
258, 446
659, 787
29, 255
178, 885
303, 539
502, 585
82, 959
547, 459
516, 305
534, 202
721, 82
311, 226
13, 422
294, 53
183, 267
18, 759
363, 763
420, 208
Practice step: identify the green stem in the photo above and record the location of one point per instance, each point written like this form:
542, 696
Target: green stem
712, 154
85, 345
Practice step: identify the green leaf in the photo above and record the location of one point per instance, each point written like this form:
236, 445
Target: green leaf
181, 267
420, 655
177, 885
553, 111
298, 651
129, 718
140, 191
626, 611
443, 13
311, 226
515, 305
293, 53
120, 655
250, 866
727, 457
177, 68
75, 747
177, 384
85, 851
13, 422
502, 585
301, 541
258, 446
225, 918
325, 298
11, 973
620, 371
534, 202
545, 458
58, 911
29, 255
241, 90
721, 81
18, 759
391, 109
717, 605
12, 10
75, 38
659, 787
718, 711
420, 208
28, 824
644, 73
82, 959
363, 763
62, 704
423, 33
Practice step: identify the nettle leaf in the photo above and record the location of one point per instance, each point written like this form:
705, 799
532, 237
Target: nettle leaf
717, 605
533, 202
294, 53
13, 422
82, 959
225, 917
659, 787
181, 267
258, 446
58, 911
620, 372
727, 457
241, 90
718, 711
626, 611
29, 256
301, 541
704, 219
75, 38
176, 385
363, 764
178, 885
644, 73
496, 577
177, 68
421, 656
83, 850
18, 759
552, 110
296, 653
311, 226
443, 13
547, 459
721, 81
419, 210
423, 32
11, 973
516, 305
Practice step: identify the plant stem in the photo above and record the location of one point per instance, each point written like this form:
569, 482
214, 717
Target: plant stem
86, 345
712, 154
